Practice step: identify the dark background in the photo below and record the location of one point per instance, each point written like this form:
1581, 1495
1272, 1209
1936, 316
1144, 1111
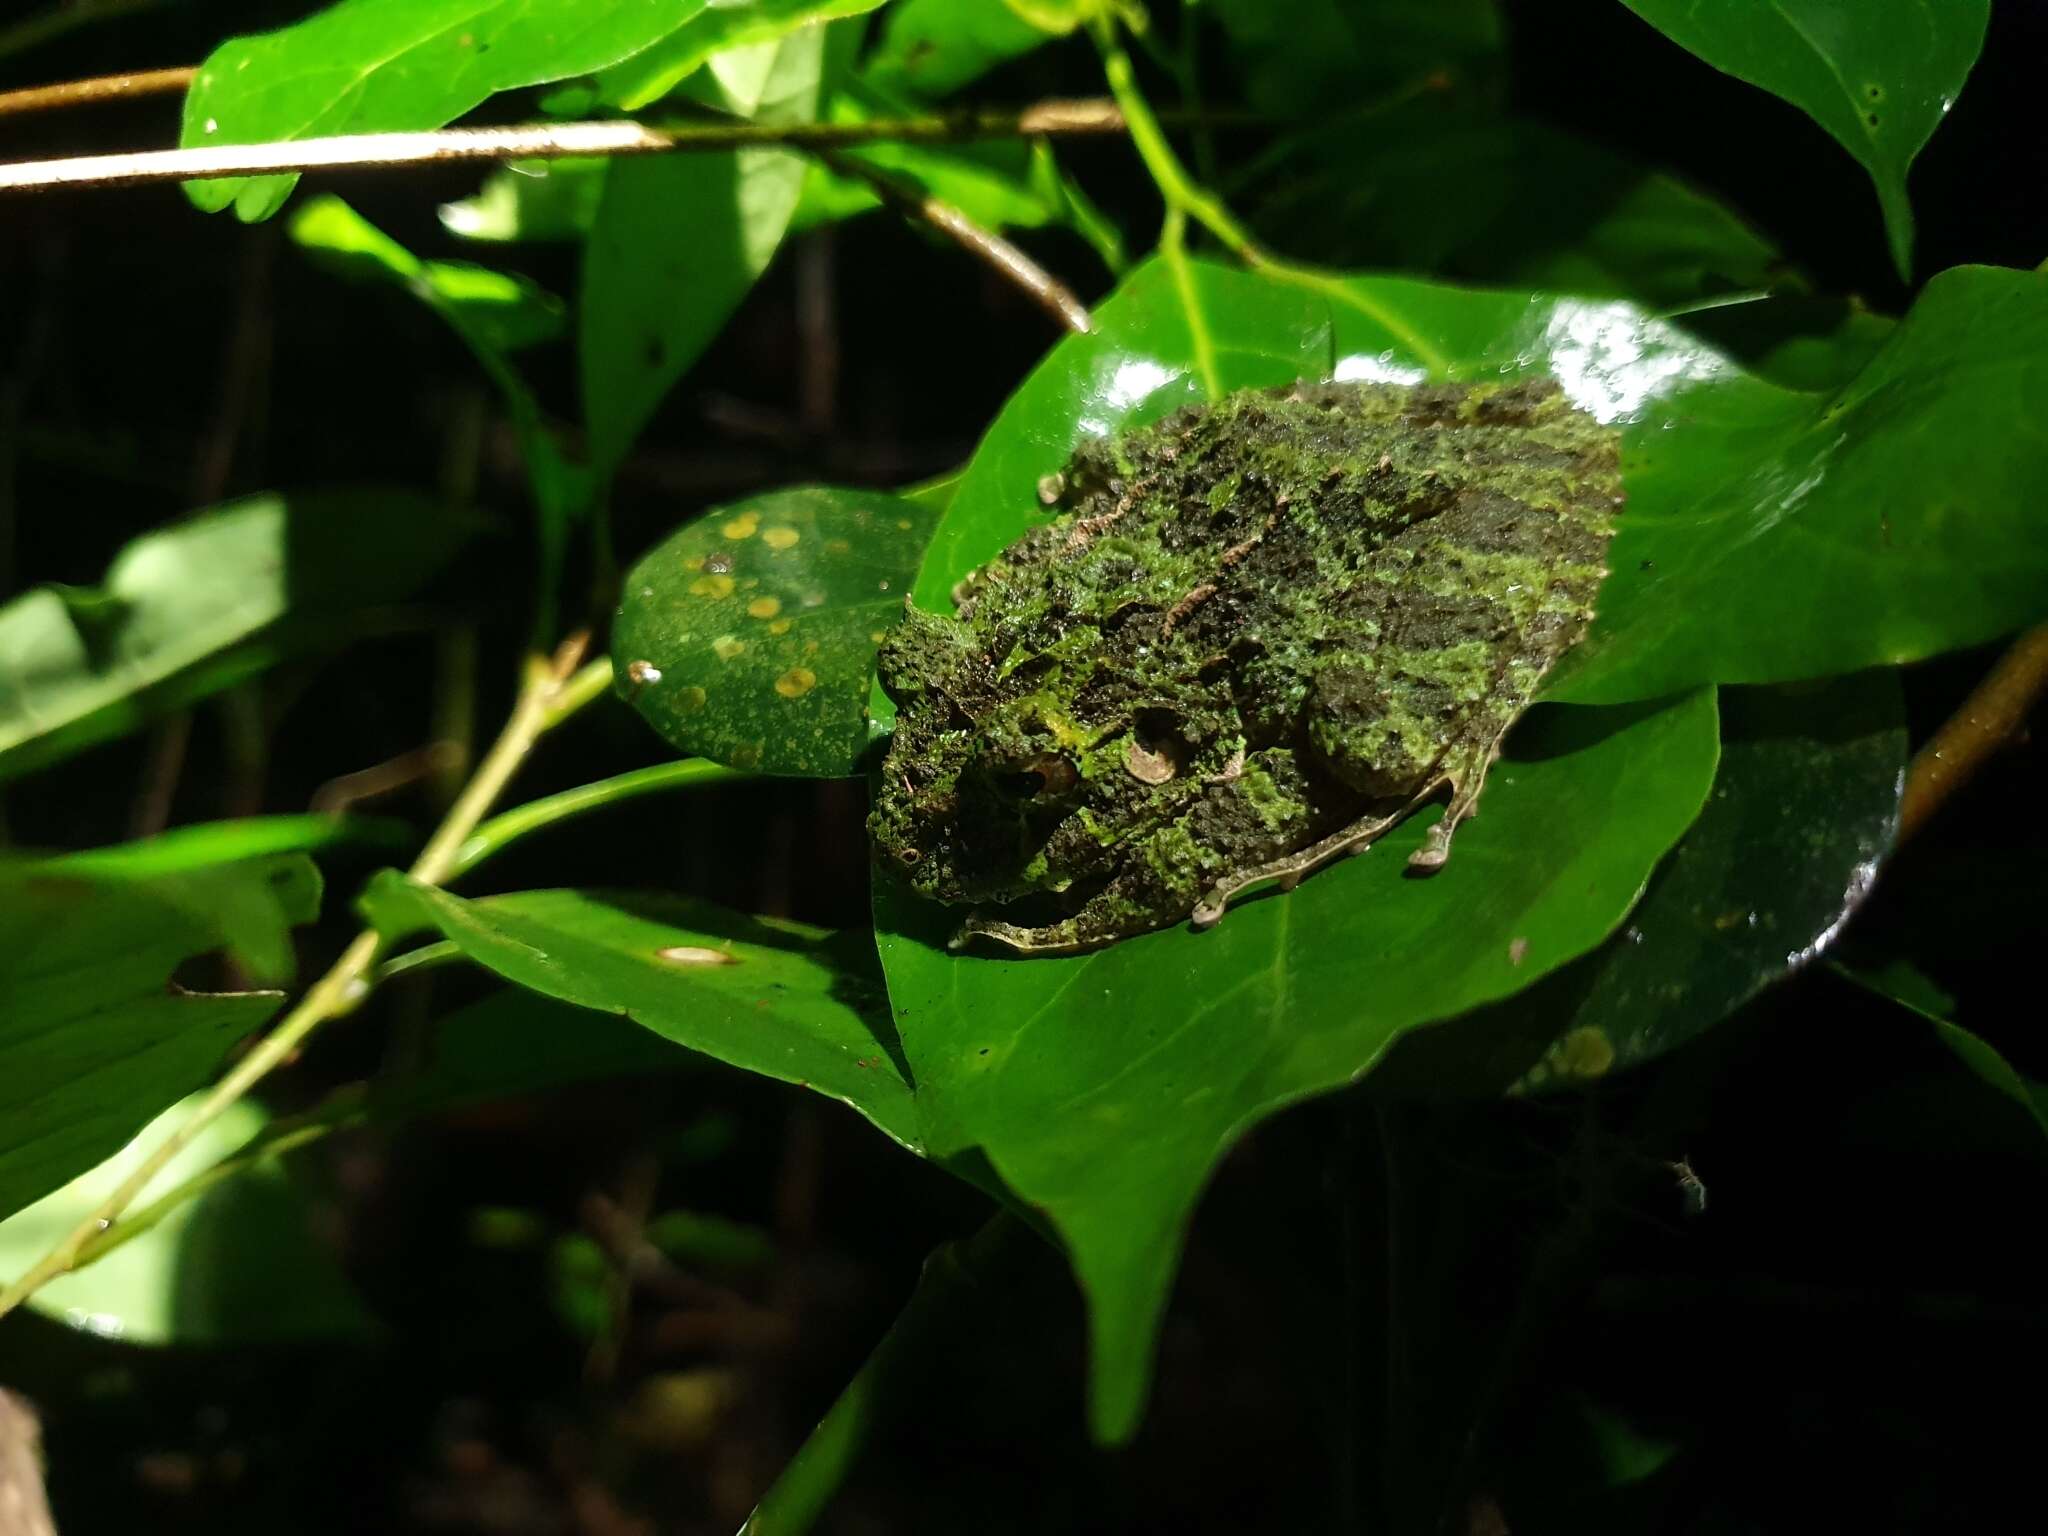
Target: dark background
1831, 1344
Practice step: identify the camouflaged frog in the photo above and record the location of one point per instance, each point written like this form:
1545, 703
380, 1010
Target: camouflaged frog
1256, 636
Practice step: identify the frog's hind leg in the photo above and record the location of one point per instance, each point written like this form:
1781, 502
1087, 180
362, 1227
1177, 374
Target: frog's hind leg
1290, 871
1467, 776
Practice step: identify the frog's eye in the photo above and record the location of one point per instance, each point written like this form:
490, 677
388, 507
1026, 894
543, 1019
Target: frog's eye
1050, 774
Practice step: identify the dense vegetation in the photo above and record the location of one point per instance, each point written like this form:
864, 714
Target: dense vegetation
456, 1072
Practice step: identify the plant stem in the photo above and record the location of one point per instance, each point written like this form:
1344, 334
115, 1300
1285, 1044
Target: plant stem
552, 141
547, 695
1009, 263
509, 826
955, 1284
1990, 717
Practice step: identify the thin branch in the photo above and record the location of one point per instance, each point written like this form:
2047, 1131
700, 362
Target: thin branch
549, 141
90, 93
1009, 263
548, 689
1991, 717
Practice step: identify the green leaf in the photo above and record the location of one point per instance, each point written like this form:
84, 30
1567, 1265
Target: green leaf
530, 201
1315, 57
179, 608
1803, 811
788, 1001
720, 29
749, 635
1879, 75
1902, 984
1535, 207
210, 843
931, 48
237, 1265
1772, 535
678, 242
96, 1037
494, 312
1104, 1088
376, 66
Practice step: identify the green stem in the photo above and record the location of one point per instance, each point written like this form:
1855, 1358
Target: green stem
959, 1280
508, 827
547, 696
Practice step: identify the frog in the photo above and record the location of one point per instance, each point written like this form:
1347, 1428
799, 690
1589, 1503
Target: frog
1240, 643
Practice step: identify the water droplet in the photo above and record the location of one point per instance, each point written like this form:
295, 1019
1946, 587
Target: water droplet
643, 672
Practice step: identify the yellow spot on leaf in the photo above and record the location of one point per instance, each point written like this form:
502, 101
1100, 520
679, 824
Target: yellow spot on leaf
877, 635
689, 700
764, 607
903, 523
779, 627
796, 682
694, 563
711, 586
838, 547
727, 647
780, 538
692, 954
741, 527
1585, 1052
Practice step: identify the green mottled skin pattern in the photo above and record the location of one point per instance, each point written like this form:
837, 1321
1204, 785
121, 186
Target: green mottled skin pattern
1254, 637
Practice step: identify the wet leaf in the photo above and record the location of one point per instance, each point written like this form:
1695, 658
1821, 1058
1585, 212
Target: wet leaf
789, 1001
1802, 812
371, 66
95, 1036
1879, 75
749, 636
200, 605
1772, 534
1105, 1087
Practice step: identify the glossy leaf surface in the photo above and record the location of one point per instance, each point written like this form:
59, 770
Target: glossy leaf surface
932, 48
1802, 813
788, 1001
1104, 1087
172, 620
1878, 75
94, 1037
749, 635
1772, 534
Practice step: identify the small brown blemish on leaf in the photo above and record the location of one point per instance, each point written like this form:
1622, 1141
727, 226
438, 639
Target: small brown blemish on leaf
780, 538
741, 527
1584, 1052
711, 586
764, 607
727, 647
748, 756
691, 954
689, 700
1518, 951
796, 682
